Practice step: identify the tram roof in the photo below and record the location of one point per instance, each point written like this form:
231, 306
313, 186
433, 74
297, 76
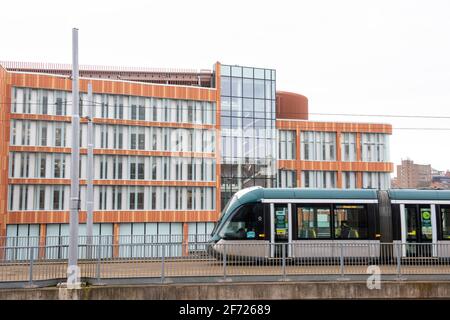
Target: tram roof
414, 194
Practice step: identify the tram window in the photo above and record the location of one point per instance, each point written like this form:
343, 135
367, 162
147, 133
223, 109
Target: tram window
246, 224
313, 222
411, 223
445, 216
350, 222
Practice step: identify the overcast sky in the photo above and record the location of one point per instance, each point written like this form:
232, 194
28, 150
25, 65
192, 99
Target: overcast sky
386, 57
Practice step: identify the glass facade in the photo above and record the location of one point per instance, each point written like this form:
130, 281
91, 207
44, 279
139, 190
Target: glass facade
249, 150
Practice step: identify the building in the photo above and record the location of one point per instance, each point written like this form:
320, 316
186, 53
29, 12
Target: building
412, 175
171, 147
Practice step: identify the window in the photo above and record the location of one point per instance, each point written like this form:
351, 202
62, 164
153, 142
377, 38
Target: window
118, 137
236, 87
246, 223
60, 104
59, 166
318, 146
137, 168
60, 137
248, 88
43, 133
58, 198
445, 218
350, 222
133, 108
137, 138
225, 86
13, 132
116, 198
348, 146
154, 170
259, 89
154, 199
44, 103
286, 144
41, 198
117, 168
136, 199
287, 178
42, 165
376, 180
118, 107
348, 180
103, 167
374, 147
102, 198
313, 222
26, 132
104, 137
24, 165
23, 197
141, 109
319, 179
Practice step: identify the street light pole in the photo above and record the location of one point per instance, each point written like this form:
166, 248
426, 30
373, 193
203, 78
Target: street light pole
90, 173
73, 274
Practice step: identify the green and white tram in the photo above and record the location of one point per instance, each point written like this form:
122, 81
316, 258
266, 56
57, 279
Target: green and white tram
310, 219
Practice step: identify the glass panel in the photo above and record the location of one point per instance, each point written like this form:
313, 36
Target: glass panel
281, 222
247, 72
259, 73
411, 223
259, 89
248, 88
225, 86
236, 71
445, 216
313, 222
225, 70
236, 87
350, 222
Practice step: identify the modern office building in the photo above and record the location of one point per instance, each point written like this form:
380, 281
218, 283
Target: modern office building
171, 147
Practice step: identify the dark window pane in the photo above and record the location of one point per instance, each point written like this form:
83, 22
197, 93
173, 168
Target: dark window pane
350, 222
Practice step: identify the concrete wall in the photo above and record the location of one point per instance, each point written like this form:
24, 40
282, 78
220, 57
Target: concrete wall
237, 291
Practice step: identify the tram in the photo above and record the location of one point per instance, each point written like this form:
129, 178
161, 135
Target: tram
313, 219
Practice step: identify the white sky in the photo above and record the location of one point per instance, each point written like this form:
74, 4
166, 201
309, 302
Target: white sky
371, 57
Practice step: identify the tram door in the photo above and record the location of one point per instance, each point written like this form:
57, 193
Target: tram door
419, 230
281, 229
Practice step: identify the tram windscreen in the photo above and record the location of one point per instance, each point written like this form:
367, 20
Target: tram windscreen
246, 223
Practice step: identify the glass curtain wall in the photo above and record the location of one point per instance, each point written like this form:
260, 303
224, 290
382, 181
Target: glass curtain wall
249, 150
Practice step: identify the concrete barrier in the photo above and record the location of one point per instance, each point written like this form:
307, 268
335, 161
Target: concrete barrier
239, 291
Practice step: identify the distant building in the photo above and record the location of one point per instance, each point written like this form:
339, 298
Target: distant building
441, 181
412, 175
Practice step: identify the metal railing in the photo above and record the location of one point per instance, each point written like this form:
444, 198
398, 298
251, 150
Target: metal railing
161, 262
56, 247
